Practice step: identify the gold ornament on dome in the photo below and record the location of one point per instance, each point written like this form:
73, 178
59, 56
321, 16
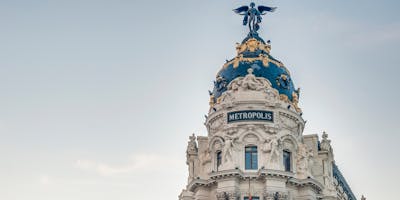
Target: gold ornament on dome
212, 101
295, 101
252, 45
264, 58
284, 98
240, 58
219, 99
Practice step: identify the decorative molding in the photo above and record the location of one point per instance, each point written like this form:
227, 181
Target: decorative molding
221, 195
275, 195
232, 195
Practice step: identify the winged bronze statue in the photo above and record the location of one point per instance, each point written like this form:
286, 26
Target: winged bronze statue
252, 15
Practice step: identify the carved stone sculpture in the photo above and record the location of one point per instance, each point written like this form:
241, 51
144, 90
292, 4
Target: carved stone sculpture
325, 143
363, 198
192, 146
304, 156
227, 153
273, 146
191, 155
241, 86
249, 82
232, 195
221, 196
275, 196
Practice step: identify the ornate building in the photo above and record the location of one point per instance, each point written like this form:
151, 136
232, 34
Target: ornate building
255, 147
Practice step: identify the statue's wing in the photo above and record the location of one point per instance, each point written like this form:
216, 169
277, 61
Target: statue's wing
264, 9
241, 10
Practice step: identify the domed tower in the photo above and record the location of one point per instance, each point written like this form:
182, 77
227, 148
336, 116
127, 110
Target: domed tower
255, 147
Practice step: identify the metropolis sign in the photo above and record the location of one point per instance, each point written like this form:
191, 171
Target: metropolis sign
250, 115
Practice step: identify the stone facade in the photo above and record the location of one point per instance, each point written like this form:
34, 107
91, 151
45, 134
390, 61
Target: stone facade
310, 176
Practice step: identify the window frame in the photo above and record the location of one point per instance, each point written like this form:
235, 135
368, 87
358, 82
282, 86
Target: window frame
289, 159
218, 159
253, 198
253, 156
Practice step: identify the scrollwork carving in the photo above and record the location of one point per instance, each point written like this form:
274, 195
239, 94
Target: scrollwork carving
221, 196
232, 195
216, 122
275, 196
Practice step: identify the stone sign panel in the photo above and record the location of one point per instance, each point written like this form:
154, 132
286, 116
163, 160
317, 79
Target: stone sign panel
250, 115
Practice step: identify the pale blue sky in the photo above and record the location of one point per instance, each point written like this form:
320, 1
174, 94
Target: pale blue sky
96, 95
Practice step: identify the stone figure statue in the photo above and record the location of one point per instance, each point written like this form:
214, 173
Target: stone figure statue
273, 146
250, 81
363, 198
227, 152
325, 143
191, 155
234, 86
252, 15
275, 155
192, 146
304, 155
228, 148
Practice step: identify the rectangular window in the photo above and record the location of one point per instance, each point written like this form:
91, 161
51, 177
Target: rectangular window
252, 198
251, 157
286, 160
219, 159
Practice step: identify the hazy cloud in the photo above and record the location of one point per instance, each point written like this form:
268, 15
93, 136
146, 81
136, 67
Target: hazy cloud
382, 35
45, 180
137, 163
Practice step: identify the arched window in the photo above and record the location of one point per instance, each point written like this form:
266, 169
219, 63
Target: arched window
286, 160
251, 158
218, 158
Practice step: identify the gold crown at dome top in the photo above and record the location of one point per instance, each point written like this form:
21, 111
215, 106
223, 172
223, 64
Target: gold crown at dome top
252, 45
